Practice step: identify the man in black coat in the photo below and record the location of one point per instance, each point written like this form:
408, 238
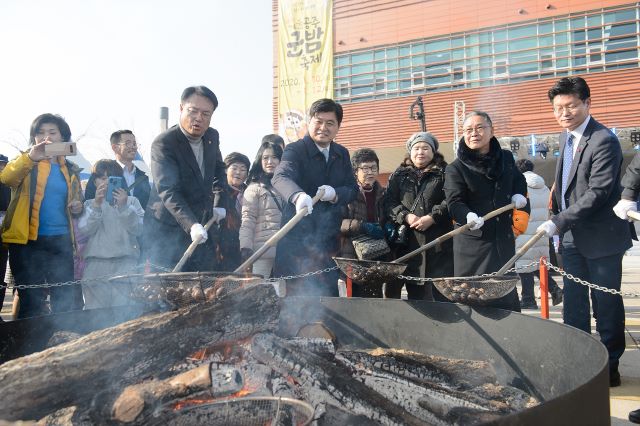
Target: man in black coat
629, 203
185, 163
125, 148
587, 186
484, 178
311, 163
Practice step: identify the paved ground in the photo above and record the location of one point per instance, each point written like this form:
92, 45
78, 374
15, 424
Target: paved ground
624, 398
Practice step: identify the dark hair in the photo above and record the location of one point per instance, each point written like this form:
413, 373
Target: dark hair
363, 155
524, 165
117, 135
257, 173
236, 157
106, 167
570, 86
479, 114
48, 118
200, 91
326, 105
273, 138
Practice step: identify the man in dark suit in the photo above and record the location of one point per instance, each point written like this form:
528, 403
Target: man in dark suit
313, 162
594, 239
185, 163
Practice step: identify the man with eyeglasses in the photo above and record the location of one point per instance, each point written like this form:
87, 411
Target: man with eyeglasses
594, 239
125, 148
314, 162
186, 164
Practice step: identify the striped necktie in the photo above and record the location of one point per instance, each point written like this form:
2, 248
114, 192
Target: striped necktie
567, 160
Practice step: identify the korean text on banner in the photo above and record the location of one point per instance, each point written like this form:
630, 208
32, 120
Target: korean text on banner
305, 61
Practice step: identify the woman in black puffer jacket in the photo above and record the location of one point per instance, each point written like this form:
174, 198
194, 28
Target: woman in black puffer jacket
415, 198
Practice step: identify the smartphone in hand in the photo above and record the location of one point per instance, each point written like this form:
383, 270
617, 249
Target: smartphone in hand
114, 182
60, 148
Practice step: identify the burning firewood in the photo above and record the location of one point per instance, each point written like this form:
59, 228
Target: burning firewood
325, 382
69, 374
137, 399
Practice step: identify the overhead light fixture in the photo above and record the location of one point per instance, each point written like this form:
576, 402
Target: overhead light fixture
363, 39
341, 42
521, 11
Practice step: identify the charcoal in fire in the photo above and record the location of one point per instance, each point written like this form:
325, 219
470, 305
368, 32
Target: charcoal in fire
324, 381
337, 416
513, 397
318, 346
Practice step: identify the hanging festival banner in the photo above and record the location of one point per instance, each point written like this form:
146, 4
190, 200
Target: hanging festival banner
305, 61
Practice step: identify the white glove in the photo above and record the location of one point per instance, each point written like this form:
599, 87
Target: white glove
198, 233
623, 207
477, 221
519, 200
304, 200
548, 227
220, 213
329, 193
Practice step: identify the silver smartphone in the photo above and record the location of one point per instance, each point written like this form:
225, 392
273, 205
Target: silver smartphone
60, 148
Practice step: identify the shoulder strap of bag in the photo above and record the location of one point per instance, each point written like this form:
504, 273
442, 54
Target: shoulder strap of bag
274, 198
418, 196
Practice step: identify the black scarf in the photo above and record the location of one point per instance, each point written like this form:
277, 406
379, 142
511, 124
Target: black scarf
489, 165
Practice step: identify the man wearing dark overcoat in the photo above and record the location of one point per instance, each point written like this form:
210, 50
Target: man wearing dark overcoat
312, 163
186, 163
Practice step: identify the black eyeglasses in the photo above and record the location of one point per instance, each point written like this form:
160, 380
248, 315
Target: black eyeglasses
373, 169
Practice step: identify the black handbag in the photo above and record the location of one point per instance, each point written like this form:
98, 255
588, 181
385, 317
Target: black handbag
368, 248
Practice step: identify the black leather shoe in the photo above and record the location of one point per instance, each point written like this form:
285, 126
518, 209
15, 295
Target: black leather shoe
614, 379
634, 416
528, 303
557, 296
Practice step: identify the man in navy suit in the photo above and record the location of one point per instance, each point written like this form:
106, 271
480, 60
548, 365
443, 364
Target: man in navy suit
314, 162
594, 239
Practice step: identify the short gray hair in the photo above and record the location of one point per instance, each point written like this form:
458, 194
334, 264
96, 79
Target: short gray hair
479, 114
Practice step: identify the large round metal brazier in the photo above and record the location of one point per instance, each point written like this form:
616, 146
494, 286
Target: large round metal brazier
563, 367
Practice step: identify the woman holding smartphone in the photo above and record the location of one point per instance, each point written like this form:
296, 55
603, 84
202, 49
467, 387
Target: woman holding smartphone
38, 226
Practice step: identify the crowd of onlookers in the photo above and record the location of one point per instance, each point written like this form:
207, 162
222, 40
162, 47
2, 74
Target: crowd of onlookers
229, 207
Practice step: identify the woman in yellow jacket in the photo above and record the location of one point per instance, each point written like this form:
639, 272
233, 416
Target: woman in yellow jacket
45, 194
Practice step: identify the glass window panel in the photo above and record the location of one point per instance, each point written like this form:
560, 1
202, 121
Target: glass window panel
380, 75
499, 35
379, 54
362, 79
621, 29
405, 62
546, 61
594, 20
528, 31
594, 34
404, 51
501, 47
379, 66
473, 75
457, 42
577, 23
501, 67
437, 45
562, 38
405, 84
392, 53
546, 41
438, 57
485, 37
417, 48
527, 43
472, 51
393, 64
620, 66
342, 60
471, 39
515, 58
621, 56
417, 60
577, 36
393, 75
620, 16
595, 54
486, 73
579, 61
360, 90
561, 25
362, 57
380, 84
362, 68
545, 28
392, 85
485, 49
457, 54
343, 72
522, 68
